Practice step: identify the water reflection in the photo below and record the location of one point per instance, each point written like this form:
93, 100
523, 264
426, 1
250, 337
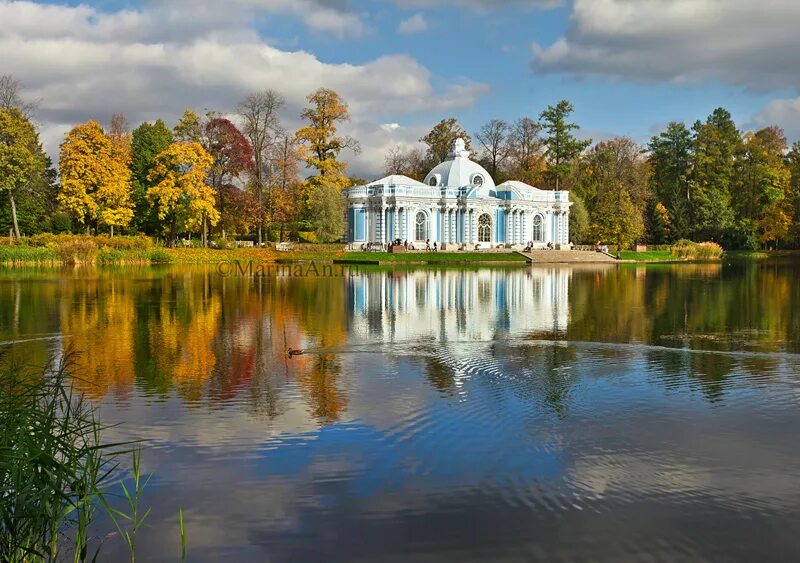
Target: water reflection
579, 413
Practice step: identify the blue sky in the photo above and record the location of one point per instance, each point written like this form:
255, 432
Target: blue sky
628, 66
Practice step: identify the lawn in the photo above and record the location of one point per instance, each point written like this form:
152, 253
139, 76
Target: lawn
649, 256
431, 257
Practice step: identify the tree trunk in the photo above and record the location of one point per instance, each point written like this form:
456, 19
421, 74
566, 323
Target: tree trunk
112, 231
204, 236
259, 234
14, 213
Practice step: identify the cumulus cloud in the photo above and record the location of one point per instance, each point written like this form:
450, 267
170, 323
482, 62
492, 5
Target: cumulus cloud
415, 24
783, 112
153, 62
739, 42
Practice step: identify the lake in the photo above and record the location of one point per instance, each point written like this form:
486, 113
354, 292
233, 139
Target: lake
559, 413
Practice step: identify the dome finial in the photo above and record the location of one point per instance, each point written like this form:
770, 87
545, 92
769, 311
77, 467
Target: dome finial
459, 149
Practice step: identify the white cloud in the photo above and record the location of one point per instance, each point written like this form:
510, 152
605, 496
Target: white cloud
782, 112
415, 24
85, 64
741, 42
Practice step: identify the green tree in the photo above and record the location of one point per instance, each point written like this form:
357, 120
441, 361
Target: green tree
578, 219
327, 210
440, 140
563, 148
21, 160
715, 144
147, 142
623, 177
671, 160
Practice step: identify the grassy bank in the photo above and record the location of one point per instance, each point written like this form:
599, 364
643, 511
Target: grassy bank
431, 258
649, 256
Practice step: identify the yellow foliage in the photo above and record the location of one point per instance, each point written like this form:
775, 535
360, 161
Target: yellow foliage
95, 178
181, 191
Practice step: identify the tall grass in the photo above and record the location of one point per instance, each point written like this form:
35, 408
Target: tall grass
52, 463
56, 472
696, 250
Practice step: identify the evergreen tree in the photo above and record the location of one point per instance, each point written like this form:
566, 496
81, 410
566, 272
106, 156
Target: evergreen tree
671, 159
147, 142
563, 148
715, 143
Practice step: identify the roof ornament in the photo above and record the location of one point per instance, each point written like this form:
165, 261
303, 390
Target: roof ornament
459, 149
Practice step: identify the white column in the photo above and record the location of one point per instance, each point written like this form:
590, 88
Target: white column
396, 228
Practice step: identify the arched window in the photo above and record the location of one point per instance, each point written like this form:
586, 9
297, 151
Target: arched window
422, 226
538, 231
433, 181
485, 228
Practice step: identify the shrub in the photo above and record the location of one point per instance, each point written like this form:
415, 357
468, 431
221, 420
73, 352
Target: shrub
160, 256
696, 251
13, 254
78, 250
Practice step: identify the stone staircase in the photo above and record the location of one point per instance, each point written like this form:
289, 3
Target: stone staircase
569, 257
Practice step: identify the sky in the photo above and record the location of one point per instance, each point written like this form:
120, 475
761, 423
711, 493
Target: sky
628, 66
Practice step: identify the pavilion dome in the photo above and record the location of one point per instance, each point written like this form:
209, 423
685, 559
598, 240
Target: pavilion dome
459, 171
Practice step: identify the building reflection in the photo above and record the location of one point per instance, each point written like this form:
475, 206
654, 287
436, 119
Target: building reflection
452, 305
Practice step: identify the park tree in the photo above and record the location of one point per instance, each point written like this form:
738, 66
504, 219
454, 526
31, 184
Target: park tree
671, 161
661, 224
622, 176
11, 96
406, 162
716, 142
95, 185
261, 125
562, 147
761, 182
21, 158
148, 140
232, 158
526, 161
320, 139
238, 211
793, 163
189, 128
440, 141
285, 186
183, 198
327, 211
494, 146
579, 227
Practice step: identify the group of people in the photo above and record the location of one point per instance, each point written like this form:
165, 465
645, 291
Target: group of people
600, 247
410, 245
529, 246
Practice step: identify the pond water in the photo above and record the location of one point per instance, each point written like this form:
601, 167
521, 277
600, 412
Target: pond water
560, 413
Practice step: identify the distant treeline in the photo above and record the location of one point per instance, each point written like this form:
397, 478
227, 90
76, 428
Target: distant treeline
209, 175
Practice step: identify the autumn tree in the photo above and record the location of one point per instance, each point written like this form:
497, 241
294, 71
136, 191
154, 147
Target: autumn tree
562, 147
406, 162
189, 128
20, 157
184, 200
285, 187
671, 154
327, 211
494, 146
95, 185
326, 112
261, 125
232, 158
526, 161
762, 184
440, 140
622, 175
147, 142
